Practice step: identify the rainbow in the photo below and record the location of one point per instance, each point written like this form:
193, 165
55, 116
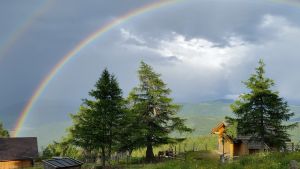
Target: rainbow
103, 29
24, 27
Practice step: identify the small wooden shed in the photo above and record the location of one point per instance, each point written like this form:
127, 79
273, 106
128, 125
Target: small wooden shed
62, 162
241, 145
18, 152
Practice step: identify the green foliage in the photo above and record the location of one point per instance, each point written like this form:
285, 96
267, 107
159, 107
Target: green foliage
130, 135
155, 110
261, 112
3, 131
231, 129
62, 148
99, 122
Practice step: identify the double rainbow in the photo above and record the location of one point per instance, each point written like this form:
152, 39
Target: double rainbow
86, 41
103, 29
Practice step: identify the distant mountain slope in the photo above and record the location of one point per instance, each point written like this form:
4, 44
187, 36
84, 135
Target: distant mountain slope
48, 133
204, 116
200, 116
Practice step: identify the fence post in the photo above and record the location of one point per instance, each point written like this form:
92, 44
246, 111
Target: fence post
193, 147
179, 149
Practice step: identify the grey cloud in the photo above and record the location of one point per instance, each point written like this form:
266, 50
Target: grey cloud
212, 20
66, 23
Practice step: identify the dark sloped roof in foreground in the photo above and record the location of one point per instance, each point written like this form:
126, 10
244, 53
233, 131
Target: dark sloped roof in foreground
18, 148
63, 162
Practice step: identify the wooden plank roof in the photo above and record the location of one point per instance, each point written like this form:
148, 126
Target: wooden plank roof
18, 148
219, 125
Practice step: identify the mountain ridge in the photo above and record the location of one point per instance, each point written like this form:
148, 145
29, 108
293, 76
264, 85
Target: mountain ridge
201, 116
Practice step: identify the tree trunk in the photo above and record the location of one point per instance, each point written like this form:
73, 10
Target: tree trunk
109, 154
149, 153
103, 156
130, 152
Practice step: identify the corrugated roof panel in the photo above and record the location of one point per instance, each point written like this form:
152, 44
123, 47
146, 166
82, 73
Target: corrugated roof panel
55, 163
64, 163
61, 162
73, 162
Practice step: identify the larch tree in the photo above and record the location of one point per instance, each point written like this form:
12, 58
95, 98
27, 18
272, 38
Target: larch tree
261, 113
155, 111
98, 124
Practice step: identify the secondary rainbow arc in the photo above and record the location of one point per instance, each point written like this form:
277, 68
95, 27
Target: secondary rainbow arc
17, 34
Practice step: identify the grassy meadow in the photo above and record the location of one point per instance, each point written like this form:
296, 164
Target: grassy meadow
210, 160
208, 142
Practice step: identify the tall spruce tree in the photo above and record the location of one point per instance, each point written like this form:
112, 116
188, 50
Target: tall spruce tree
261, 113
98, 124
155, 110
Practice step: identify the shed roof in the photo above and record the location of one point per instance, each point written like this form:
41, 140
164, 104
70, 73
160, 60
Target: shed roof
63, 162
219, 125
18, 148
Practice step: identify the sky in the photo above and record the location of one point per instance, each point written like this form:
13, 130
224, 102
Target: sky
203, 49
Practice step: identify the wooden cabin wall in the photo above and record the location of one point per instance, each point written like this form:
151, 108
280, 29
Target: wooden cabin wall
237, 149
240, 149
15, 164
244, 149
228, 147
220, 138
220, 144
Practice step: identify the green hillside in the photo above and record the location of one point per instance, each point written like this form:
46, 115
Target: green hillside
200, 116
204, 116
48, 133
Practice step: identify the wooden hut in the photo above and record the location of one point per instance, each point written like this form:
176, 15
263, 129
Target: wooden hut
62, 162
241, 145
18, 152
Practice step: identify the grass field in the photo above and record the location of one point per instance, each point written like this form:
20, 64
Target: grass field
210, 160
208, 142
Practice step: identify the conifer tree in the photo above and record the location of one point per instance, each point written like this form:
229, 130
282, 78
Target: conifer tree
261, 113
97, 125
155, 110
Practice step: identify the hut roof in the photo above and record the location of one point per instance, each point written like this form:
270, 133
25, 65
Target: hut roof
62, 162
18, 148
219, 125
